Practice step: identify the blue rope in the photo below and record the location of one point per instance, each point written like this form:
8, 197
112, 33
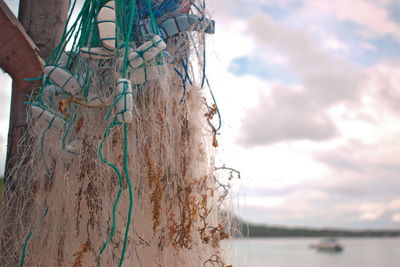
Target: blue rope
183, 84
205, 79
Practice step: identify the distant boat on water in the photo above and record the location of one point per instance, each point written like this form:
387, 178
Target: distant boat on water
329, 245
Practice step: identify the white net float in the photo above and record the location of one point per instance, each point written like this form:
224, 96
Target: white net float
47, 118
180, 23
144, 46
145, 74
159, 43
107, 25
150, 53
65, 57
149, 50
125, 103
134, 59
63, 78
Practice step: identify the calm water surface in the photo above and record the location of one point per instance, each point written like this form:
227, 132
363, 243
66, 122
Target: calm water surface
295, 252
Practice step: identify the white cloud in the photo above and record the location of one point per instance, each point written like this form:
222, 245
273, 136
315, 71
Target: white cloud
396, 217
271, 202
335, 44
289, 113
373, 15
306, 58
386, 81
374, 210
355, 179
290, 117
371, 211
366, 13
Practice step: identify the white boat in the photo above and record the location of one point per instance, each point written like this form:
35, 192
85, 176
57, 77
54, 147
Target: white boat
328, 244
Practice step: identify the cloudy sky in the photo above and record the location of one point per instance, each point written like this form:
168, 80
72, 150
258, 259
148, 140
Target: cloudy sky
309, 92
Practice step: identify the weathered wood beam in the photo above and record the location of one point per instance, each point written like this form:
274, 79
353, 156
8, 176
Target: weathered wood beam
22, 44
20, 59
18, 54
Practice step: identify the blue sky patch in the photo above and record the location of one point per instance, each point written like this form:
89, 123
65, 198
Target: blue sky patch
382, 48
241, 66
280, 12
352, 34
394, 11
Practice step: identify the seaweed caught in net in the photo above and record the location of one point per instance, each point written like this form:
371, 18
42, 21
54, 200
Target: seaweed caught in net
117, 167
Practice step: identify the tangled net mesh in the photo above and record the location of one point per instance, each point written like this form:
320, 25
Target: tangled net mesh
142, 193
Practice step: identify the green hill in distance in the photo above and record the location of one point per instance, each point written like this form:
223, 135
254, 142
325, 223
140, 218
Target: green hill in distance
258, 230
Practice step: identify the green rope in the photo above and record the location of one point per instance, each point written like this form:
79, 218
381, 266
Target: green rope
154, 24
38, 78
126, 148
128, 37
82, 32
126, 152
114, 208
128, 181
156, 30
66, 37
25, 246
86, 84
132, 6
68, 129
56, 51
24, 249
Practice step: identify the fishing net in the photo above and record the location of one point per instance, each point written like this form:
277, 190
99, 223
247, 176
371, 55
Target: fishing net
118, 165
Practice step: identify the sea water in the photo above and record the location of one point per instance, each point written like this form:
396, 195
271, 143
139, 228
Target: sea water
296, 252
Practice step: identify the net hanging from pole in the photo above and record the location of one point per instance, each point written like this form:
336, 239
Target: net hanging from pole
119, 170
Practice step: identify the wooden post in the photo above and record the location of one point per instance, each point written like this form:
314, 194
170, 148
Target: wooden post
44, 22
21, 49
19, 58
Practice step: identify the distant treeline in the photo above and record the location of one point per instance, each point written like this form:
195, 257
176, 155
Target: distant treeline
254, 230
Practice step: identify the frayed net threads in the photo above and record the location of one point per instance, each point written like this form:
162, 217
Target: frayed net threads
119, 161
